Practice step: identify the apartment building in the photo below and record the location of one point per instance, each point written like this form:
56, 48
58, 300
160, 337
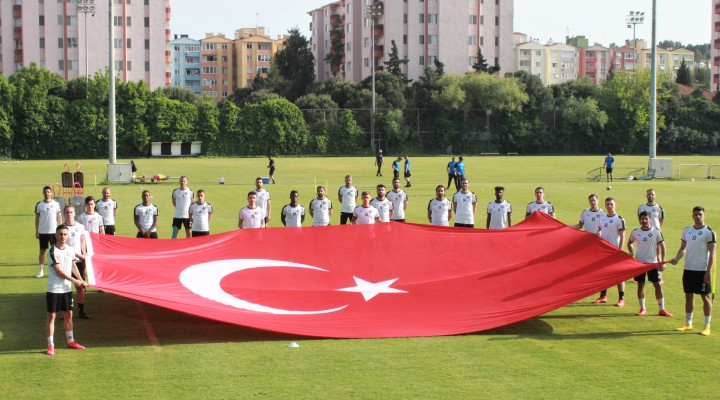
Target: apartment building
450, 31
216, 52
715, 47
553, 63
254, 51
595, 62
58, 35
186, 66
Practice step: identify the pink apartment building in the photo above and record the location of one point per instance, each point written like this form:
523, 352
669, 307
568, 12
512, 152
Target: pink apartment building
715, 47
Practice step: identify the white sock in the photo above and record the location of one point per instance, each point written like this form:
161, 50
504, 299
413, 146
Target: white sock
688, 318
661, 303
69, 336
51, 341
707, 320
642, 302
42, 266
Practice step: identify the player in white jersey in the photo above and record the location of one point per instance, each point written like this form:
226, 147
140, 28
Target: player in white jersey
293, 214
146, 217
91, 220
58, 297
399, 201
439, 211
383, 204
612, 230
200, 213
182, 197
365, 214
347, 196
263, 199
590, 217
657, 214
698, 246
321, 208
48, 216
499, 212
107, 207
540, 204
464, 204
76, 240
650, 249
252, 215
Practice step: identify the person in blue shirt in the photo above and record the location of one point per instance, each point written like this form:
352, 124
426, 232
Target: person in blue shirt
459, 173
407, 173
608, 165
451, 172
396, 168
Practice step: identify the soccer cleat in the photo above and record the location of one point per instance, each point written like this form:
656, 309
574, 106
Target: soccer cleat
51, 350
75, 345
83, 315
664, 313
620, 303
40, 274
685, 327
641, 313
705, 331
601, 299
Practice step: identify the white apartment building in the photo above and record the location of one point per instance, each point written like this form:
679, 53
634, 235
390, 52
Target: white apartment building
423, 30
53, 34
553, 63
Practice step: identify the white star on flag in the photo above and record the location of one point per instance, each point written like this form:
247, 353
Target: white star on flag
369, 289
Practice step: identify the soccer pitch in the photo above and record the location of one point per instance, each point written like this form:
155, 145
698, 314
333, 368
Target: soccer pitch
136, 350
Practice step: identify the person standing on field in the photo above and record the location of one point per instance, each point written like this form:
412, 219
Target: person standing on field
382, 204
650, 249
365, 214
451, 173
499, 212
271, 167
439, 211
321, 208
464, 206
263, 199
656, 212
590, 217
91, 220
396, 168
146, 217
182, 197
252, 215
107, 208
608, 165
540, 204
399, 201
406, 170
293, 214
612, 229
347, 196
379, 163
48, 216
200, 213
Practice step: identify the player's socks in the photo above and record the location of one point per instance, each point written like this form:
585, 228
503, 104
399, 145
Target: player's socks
661, 303
51, 341
175, 232
622, 295
603, 293
642, 302
707, 320
70, 337
688, 318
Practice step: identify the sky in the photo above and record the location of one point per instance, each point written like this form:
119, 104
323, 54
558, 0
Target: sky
686, 21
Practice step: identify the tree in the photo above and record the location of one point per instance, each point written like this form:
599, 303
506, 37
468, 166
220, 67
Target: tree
6, 117
131, 107
582, 120
394, 65
481, 65
295, 64
273, 127
320, 113
336, 56
208, 123
683, 74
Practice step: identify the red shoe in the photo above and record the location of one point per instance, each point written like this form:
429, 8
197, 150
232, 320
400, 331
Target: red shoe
75, 345
641, 313
51, 350
665, 313
620, 303
601, 299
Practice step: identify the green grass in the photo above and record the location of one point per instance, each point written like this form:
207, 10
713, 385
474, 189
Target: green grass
141, 351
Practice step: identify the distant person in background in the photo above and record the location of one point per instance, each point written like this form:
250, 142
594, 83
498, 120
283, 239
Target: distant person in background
271, 166
459, 173
406, 171
107, 208
379, 162
48, 216
396, 168
608, 165
451, 172
146, 217
182, 197
293, 214
133, 168
499, 212
200, 213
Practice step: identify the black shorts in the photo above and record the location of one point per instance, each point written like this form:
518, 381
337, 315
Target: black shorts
152, 235
81, 268
396, 174
57, 302
46, 240
179, 222
694, 282
345, 217
608, 170
198, 233
272, 171
109, 229
408, 174
653, 275
397, 220
464, 225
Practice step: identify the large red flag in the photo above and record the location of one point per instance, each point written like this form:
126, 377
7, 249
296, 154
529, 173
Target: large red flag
365, 281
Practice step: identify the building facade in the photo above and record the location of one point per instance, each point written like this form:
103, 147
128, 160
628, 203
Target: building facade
553, 63
450, 31
186, 66
715, 47
72, 44
595, 62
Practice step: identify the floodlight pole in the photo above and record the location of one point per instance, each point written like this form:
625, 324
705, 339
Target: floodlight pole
86, 7
111, 90
632, 19
374, 11
653, 85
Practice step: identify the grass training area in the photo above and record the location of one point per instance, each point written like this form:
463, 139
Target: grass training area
135, 350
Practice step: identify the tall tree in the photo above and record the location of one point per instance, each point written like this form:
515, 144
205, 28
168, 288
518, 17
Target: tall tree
295, 63
6, 117
336, 56
683, 74
394, 64
480, 64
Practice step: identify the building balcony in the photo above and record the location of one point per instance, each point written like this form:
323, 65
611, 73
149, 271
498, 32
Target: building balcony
168, 13
17, 33
716, 43
716, 62
717, 8
379, 30
17, 11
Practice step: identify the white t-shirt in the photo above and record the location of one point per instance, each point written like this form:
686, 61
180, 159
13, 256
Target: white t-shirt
64, 257
696, 250
321, 211
610, 228
146, 214
591, 219
365, 216
107, 210
398, 200
252, 217
646, 244
293, 215
263, 196
544, 207
656, 214
499, 214
183, 199
200, 216
384, 207
48, 212
348, 196
75, 232
92, 222
464, 207
439, 211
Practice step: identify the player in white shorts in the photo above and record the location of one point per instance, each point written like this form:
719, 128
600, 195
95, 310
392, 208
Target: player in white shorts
293, 214
251, 216
464, 204
383, 204
650, 249
399, 201
439, 211
321, 208
612, 230
200, 213
499, 212
365, 214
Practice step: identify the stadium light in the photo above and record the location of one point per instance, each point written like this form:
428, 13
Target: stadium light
632, 19
86, 7
373, 11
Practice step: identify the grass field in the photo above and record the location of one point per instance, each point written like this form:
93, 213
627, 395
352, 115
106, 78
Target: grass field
141, 351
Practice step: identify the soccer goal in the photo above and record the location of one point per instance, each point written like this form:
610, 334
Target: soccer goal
714, 171
692, 171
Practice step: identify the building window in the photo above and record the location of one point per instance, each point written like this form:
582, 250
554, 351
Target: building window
60, 43
432, 18
366, 42
129, 44
61, 65
147, 65
432, 39
472, 40
248, 46
421, 18
42, 42
404, 39
497, 21
117, 21
117, 43
128, 22
263, 46
482, 40
349, 28
497, 40
421, 61
208, 46
129, 65
223, 47
147, 44
348, 46
146, 23
42, 20
72, 43
366, 62
265, 57
209, 70
421, 39
405, 19
473, 19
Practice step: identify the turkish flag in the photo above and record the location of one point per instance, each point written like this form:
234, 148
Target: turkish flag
365, 281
